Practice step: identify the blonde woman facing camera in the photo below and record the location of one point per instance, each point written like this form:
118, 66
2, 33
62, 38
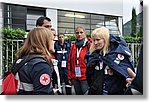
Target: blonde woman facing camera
107, 64
35, 75
76, 64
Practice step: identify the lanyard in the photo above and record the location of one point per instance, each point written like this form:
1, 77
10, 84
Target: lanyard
78, 53
63, 51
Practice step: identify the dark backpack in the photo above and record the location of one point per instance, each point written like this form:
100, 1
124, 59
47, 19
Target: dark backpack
9, 83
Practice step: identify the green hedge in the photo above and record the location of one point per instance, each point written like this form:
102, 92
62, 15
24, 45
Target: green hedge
17, 34
130, 39
8, 35
73, 37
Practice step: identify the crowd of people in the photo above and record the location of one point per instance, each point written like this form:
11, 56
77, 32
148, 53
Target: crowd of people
100, 65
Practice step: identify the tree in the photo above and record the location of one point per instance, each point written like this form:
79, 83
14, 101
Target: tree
133, 23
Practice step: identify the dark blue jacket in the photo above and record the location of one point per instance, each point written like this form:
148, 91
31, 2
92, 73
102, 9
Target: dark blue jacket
61, 54
118, 59
119, 46
35, 78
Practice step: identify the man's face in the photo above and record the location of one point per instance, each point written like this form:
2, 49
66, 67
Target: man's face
61, 38
47, 24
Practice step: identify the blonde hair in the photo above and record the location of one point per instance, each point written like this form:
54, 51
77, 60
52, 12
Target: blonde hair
39, 41
102, 32
79, 27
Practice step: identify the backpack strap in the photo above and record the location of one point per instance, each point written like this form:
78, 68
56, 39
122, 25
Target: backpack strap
88, 45
15, 67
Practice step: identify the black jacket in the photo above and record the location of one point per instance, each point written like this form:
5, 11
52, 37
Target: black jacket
35, 77
118, 60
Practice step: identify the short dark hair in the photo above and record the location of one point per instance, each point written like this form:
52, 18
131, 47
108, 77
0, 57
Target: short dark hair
39, 21
61, 34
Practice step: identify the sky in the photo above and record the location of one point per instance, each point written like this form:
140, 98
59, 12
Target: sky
127, 9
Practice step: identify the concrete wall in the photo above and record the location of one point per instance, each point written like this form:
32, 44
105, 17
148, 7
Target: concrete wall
52, 13
91, 6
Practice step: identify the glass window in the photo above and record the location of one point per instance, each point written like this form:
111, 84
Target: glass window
23, 17
80, 20
82, 15
14, 16
96, 26
111, 22
99, 22
65, 19
86, 26
66, 25
31, 21
69, 20
32, 15
66, 30
65, 13
97, 17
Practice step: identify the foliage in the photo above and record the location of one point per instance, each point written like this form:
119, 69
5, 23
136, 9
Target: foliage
8, 45
88, 35
140, 33
13, 33
130, 39
71, 37
133, 23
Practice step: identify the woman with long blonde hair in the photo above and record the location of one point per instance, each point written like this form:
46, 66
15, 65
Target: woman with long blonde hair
76, 64
107, 63
101, 34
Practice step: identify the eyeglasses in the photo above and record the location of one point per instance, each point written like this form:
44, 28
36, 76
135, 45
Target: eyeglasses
79, 32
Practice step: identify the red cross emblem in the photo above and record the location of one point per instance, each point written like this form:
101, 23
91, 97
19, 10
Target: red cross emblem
44, 79
120, 57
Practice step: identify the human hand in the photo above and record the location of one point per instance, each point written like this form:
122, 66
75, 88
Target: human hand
55, 91
129, 80
69, 82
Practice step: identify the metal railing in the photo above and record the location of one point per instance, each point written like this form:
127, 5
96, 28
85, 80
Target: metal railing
9, 48
135, 49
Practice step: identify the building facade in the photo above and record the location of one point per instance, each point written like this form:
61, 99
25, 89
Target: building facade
65, 15
21, 14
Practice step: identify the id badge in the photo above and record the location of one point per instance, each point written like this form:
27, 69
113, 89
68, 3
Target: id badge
77, 71
63, 64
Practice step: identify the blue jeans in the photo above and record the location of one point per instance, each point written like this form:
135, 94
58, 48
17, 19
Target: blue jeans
80, 86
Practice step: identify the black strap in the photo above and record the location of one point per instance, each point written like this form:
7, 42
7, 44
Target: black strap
88, 45
16, 67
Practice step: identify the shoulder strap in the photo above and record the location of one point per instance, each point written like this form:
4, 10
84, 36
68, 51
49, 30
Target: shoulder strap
16, 67
88, 45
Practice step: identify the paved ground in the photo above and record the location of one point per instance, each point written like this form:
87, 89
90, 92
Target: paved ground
64, 89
